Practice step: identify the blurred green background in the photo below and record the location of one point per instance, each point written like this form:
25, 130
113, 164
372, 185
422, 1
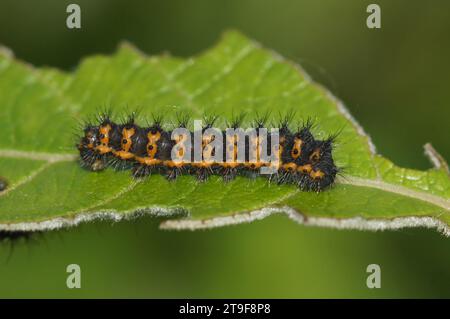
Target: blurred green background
395, 81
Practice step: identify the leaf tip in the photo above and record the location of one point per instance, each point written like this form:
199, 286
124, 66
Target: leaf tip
6, 52
127, 47
435, 158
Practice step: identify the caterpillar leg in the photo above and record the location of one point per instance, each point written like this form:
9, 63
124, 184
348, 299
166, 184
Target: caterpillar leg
119, 164
141, 170
91, 160
173, 173
203, 173
229, 173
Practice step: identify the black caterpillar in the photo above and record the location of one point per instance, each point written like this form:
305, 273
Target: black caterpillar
302, 160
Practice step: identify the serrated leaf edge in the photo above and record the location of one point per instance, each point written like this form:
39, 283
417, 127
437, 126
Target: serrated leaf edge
356, 223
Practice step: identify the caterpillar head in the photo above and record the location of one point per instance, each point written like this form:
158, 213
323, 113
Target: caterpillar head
90, 138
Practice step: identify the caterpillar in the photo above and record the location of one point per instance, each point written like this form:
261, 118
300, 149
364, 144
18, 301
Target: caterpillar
295, 157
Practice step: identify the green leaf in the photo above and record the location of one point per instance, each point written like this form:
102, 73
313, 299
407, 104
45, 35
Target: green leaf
40, 109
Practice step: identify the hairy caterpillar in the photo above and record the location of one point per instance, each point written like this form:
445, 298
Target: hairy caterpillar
300, 158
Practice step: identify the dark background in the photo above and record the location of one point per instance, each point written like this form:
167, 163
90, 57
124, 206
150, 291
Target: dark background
394, 80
